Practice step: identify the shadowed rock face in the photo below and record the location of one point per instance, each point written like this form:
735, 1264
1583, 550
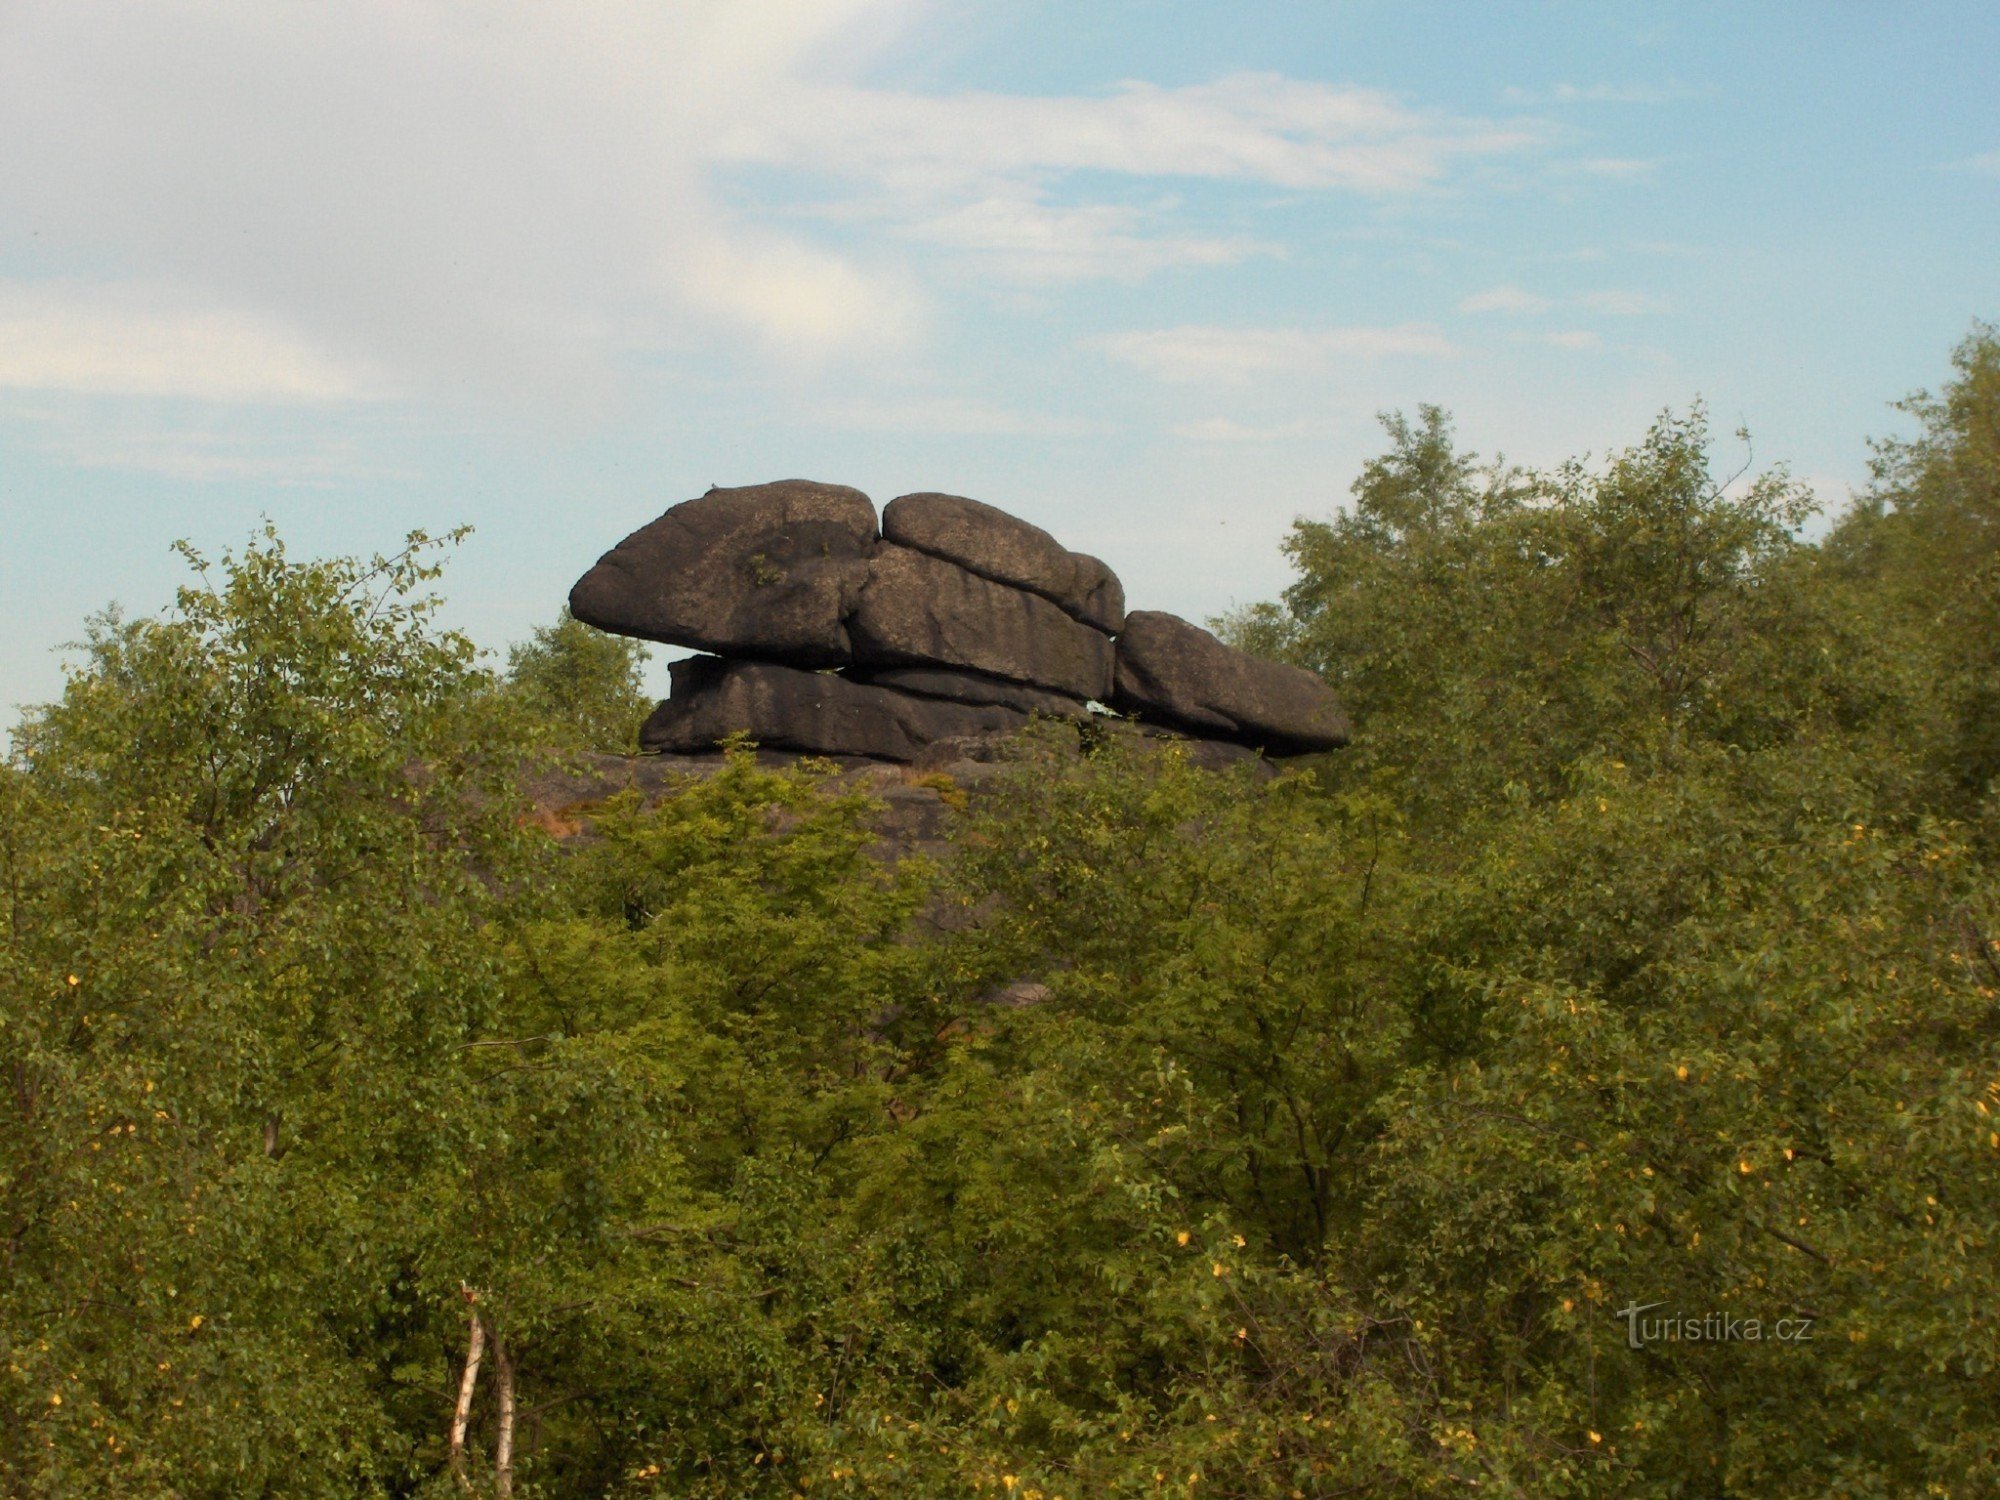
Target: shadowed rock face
769, 570
1176, 672
970, 687
1006, 549
919, 610
949, 630
817, 712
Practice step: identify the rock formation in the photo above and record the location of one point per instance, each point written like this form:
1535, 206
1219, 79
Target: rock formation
1178, 673
952, 623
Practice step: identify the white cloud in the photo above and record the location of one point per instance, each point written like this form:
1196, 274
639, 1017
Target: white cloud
517, 198
1505, 299
1513, 299
800, 301
1026, 240
205, 458
271, 444
1574, 338
1596, 93
1244, 127
1229, 430
1195, 353
474, 197
133, 340
955, 415
1623, 304
1986, 164
1617, 168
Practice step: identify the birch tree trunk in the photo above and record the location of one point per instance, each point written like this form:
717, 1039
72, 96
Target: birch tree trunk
503, 1442
461, 1417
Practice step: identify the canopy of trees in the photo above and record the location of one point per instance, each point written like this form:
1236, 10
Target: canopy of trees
1643, 953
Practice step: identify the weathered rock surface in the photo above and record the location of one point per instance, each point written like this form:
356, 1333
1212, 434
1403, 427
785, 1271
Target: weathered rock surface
919, 610
768, 570
1169, 670
970, 687
817, 712
951, 626
987, 541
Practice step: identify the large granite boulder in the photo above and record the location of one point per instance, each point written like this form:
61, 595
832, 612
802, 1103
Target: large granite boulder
1173, 672
817, 712
970, 687
768, 570
987, 541
951, 626
918, 610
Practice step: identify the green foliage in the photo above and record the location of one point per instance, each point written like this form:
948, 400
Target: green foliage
582, 685
1178, 1133
1488, 627
1922, 548
243, 906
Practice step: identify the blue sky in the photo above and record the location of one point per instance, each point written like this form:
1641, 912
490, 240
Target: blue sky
1142, 272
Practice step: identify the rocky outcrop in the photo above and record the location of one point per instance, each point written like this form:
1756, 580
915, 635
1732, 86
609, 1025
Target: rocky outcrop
769, 570
820, 713
985, 540
919, 610
1171, 671
950, 629
971, 687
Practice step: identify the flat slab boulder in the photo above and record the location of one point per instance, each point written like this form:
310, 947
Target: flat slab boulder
970, 687
985, 540
767, 570
820, 713
917, 610
1173, 672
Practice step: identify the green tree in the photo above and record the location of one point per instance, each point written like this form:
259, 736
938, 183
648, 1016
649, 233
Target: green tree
1489, 627
583, 684
1920, 554
245, 859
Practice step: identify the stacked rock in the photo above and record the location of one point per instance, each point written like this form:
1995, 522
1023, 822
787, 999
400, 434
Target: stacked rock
952, 620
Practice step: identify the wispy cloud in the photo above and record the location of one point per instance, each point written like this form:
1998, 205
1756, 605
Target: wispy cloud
1229, 430
1019, 181
201, 444
1986, 164
1505, 299
1016, 236
1623, 304
799, 301
956, 415
1244, 127
1613, 168
1517, 301
523, 198
1596, 93
1572, 338
140, 340
1233, 355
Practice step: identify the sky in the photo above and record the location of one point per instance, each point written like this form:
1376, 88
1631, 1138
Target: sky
1142, 272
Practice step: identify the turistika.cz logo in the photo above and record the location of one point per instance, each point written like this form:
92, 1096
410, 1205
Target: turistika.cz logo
1708, 1328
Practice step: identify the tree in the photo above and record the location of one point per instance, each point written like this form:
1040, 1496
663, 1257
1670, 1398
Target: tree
246, 859
1920, 553
583, 684
1489, 627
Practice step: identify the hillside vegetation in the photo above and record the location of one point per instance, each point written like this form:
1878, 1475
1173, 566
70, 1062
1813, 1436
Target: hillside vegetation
1642, 953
